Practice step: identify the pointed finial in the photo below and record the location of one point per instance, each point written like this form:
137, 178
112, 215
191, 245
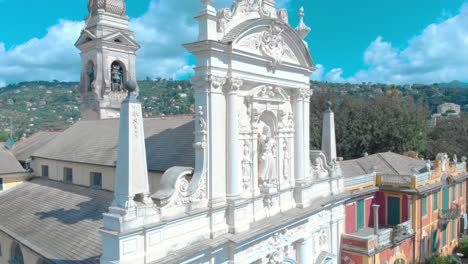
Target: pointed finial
207, 2
302, 29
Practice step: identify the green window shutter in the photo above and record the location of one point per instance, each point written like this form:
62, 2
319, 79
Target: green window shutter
461, 190
424, 206
360, 214
435, 201
454, 193
393, 210
444, 237
434, 241
445, 198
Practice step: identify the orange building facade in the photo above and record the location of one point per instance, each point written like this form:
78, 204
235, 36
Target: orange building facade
418, 207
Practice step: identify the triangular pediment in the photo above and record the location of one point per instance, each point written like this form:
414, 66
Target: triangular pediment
121, 38
86, 36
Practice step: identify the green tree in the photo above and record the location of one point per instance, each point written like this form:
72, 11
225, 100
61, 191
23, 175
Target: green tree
3, 136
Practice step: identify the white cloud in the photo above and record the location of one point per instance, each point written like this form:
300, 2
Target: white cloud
334, 75
438, 54
318, 73
161, 31
47, 58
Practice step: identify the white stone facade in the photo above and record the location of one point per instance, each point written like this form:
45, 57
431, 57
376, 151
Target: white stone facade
257, 194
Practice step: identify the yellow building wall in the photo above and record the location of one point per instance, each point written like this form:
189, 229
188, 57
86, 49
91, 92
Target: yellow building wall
82, 173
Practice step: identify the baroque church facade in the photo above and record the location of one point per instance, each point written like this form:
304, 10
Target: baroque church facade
256, 193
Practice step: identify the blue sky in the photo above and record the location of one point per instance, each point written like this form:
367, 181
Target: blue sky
391, 41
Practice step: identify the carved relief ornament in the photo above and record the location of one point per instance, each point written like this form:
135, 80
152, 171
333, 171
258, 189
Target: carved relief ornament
239, 9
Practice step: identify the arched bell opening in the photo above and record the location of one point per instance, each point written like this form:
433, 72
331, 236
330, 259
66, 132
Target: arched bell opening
90, 76
118, 76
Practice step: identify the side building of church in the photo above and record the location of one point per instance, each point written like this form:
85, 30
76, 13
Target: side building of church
235, 183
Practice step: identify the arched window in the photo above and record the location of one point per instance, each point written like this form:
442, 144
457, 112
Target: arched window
90, 76
16, 255
117, 76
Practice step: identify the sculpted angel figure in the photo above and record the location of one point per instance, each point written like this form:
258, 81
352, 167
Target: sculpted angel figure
267, 158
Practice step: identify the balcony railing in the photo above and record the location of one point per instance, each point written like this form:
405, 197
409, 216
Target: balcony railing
367, 242
447, 215
360, 181
410, 181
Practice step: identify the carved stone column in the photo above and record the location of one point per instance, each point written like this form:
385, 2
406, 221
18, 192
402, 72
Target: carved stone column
304, 252
300, 137
236, 217
234, 186
301, 146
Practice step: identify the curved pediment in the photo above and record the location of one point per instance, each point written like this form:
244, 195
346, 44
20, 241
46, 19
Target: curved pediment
271, 39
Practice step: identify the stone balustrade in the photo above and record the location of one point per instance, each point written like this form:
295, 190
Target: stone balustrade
358, 182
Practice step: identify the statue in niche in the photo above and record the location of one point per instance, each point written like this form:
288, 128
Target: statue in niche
246, 165
286, 159
267, 158
117, 77
91, 76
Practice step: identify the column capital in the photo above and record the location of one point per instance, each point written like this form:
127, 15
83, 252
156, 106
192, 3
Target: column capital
233, 85
303, 94
210, 82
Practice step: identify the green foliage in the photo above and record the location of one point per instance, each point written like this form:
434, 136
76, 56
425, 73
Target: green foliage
450, 136
439, 259
463, 247
3, 136
384, 123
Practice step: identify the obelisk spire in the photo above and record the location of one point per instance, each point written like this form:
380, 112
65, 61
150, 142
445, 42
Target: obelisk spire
131, 177
328, 134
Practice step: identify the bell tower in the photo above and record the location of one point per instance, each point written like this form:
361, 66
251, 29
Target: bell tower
108, 52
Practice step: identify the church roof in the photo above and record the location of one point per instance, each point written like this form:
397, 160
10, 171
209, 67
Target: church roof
58, 221
385, 163
23, 149
8, 162
169, 142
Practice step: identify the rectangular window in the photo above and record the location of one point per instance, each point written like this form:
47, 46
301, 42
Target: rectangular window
360, 214
435, 242
393, 210
444, 237
68, 175
445, 198
1, 184
454, 193
424, 205
96, 180
45, 171
435, 200
454, 226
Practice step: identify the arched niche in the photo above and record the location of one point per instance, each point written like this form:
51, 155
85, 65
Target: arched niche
267, 149
118, 76
90, 76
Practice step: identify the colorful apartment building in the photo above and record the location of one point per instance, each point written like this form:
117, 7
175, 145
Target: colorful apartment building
418, 206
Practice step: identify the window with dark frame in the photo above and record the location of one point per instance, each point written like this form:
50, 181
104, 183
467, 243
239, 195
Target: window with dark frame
45, 171
96, 180
68, 175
